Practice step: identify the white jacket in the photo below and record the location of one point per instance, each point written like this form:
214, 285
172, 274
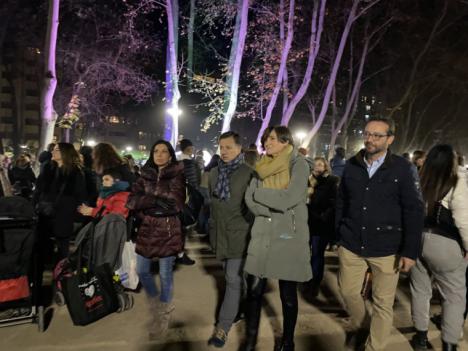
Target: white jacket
457, 201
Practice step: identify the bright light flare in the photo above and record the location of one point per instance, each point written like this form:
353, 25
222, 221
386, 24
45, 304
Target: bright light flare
91, 143
174, 112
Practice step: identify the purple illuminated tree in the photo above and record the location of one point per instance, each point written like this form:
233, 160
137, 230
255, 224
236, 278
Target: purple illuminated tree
339, 125
48, 114
314, 45
234, 65
171, 129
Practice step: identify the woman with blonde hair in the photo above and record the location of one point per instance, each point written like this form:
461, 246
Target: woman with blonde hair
279, 245
321, 207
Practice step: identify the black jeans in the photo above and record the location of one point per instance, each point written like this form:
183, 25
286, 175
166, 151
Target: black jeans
288, 293
45, 251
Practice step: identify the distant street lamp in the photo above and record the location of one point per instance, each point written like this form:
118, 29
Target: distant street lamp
128, 148
91, 143
301, 136
174, 112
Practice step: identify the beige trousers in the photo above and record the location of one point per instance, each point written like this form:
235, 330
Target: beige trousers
384, 283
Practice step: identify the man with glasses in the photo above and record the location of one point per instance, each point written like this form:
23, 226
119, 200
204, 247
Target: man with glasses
379, 223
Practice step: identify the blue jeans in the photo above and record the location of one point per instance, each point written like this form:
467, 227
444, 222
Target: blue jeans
318, 244
166, 277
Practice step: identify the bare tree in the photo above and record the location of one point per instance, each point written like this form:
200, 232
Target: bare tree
283, 66
48, 114
355, 83
235, 60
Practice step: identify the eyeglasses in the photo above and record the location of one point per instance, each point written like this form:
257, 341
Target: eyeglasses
374, 136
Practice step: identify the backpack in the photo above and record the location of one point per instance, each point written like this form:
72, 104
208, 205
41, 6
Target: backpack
193, 204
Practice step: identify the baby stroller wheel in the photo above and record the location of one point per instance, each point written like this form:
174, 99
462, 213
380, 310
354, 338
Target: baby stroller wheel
59, 298
121, 300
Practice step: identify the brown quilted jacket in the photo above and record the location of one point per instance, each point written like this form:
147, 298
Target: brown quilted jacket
158, 236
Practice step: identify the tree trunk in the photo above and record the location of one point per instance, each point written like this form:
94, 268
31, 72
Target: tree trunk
235, 60
314, 46
190, 44
333, 74
285, 73
48, 114
351, 100
172, 78
282, 68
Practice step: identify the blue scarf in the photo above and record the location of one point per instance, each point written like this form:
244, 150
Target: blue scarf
117, 187
223, 184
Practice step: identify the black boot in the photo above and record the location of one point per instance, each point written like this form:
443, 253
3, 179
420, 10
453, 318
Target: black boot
285, 346
356, 339
255, 289
449, 347
419, 341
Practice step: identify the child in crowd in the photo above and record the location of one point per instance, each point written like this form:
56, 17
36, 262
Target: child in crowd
112, 196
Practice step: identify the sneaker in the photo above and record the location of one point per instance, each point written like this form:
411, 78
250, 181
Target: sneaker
185, 260
218, 339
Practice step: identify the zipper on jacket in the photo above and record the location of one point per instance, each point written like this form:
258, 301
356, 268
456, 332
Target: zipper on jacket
293, 220
168, 227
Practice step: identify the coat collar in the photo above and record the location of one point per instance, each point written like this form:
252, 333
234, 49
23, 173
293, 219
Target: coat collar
358, 159
166, 173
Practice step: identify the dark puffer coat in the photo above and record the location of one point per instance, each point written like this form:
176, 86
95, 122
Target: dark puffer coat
321, 206
158, 236
49, 188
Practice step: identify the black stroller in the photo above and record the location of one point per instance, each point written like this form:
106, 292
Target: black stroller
99, 243
19, 291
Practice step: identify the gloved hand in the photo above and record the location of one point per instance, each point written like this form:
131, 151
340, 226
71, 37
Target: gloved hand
165, 203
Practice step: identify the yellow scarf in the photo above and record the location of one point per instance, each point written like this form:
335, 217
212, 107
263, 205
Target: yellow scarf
274, 171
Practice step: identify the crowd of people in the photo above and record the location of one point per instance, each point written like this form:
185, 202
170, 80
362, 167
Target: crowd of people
271, 216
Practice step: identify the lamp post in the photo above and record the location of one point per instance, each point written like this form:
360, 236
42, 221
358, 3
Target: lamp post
301, 136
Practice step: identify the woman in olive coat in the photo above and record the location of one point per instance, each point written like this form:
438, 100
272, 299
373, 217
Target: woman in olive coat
279, 244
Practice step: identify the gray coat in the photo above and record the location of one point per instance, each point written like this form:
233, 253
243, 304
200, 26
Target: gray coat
230, 220
279, 245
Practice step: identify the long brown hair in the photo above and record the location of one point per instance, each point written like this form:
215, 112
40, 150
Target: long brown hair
105, 157
70, 157
438, 175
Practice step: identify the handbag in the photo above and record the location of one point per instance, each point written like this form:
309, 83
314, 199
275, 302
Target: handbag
193, 204
89, 292
90, 296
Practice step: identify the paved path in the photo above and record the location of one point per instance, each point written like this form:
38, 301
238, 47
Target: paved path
321, 322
